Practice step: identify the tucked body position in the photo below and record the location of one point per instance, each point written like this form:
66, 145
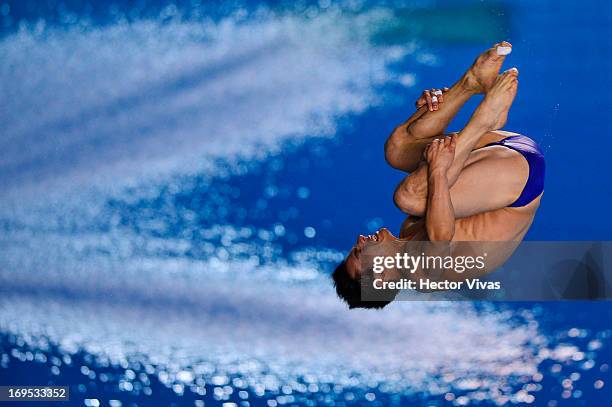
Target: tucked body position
479, 184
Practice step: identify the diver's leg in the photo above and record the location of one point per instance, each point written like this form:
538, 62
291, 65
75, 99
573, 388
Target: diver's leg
405, 145
479, 180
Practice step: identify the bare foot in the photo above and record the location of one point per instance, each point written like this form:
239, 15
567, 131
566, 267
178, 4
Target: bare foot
481, 75
492, 112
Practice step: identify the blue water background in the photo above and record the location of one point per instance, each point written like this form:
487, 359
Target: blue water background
324, 191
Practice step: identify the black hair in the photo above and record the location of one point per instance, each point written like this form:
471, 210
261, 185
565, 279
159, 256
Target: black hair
350, 290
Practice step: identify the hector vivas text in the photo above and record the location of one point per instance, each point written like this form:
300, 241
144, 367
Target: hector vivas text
403, 262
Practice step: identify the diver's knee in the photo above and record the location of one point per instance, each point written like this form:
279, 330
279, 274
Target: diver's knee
407, 202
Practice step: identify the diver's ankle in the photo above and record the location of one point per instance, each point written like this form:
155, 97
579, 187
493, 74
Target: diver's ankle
481, 125
467, 86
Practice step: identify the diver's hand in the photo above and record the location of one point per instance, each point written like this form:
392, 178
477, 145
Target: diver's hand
440, 154
432, 98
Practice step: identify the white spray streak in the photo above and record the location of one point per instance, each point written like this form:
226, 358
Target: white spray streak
139, 100
150, 96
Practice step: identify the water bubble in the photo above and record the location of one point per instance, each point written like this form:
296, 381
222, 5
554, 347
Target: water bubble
279, 229
588, 364
303, 192
594, 344
185, 376
218, 393
126, 386
462, 401
309, 232
271, 191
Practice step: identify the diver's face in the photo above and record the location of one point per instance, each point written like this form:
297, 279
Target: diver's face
353, 260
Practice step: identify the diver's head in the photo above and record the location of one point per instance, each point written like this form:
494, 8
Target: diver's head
347, 276
353, 259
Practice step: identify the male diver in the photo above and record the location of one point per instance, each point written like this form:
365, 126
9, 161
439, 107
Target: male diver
480, 184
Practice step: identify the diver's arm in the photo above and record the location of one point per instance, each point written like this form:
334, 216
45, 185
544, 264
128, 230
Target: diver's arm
440, 216
440, 227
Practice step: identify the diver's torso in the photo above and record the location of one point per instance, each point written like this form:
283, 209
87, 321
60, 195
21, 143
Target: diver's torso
505, 224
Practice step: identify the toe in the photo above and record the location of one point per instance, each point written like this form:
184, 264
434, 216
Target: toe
513, 72
503, 44
510, 83
501, 49
507, 78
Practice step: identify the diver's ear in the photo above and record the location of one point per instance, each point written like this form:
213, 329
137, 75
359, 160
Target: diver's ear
353, 268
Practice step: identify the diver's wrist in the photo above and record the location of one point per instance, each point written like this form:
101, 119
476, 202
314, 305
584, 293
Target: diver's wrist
437, 173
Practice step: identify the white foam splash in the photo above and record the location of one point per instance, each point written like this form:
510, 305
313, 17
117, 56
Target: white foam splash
286, 332
123, 297
150, 96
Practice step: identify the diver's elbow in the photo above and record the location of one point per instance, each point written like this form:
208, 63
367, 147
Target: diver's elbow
441, 234
408, 203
